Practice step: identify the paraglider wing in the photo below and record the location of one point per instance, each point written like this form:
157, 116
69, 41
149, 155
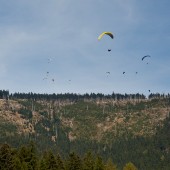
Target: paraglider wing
145, 57
107, 33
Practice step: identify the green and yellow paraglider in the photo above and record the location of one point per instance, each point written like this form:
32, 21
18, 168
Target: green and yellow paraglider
105, 33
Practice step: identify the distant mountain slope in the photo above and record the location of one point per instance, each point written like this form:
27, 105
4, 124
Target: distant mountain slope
124, 129
99, 120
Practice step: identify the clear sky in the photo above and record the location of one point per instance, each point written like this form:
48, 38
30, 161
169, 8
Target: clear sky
51, 46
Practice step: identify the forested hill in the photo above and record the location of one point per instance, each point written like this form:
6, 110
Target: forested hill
122, 127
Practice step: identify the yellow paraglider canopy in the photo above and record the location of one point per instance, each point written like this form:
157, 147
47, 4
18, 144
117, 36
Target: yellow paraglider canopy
107, 33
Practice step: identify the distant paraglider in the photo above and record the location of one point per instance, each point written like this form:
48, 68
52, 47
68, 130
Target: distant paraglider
145, 57
49, 60
124, 72
107, 73
105, 33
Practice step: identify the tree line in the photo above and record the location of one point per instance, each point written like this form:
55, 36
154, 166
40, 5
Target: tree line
4, 94
27, 158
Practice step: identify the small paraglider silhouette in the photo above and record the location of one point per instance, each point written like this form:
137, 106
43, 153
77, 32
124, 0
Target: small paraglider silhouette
44, 78
49, 59
145, 57
53, 80
107, 73
124, 72
109, 50
149, 90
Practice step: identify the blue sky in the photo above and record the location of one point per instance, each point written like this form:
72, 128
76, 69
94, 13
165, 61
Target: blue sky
66, 32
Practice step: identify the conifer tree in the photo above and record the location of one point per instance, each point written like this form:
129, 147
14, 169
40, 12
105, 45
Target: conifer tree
74, 162
42, 164
60, 164
129, 166
16, 163
50, 161
88, 161
5, 157
27, 156
99, 164
110, 166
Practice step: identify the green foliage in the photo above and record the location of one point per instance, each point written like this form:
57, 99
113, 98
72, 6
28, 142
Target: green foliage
110, 166
129, 166
5, 157
73, 162
99, 165
25, 113
88, 161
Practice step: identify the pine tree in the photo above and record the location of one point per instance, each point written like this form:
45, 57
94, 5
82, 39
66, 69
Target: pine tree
5, 157
74, 162
99, 164
16, 163
60, 164
42, 164
27, 156
88, 161
129, 166
110, 166
51, 161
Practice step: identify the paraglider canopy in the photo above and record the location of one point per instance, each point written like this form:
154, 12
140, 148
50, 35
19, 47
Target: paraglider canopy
145, 57
105, 33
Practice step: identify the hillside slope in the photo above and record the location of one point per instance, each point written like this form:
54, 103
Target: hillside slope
99, 120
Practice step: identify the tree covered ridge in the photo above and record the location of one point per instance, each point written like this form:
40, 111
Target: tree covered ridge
75, 96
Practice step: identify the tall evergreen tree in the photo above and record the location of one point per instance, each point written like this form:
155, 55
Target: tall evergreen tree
88, 161
129, 166
110, 166
28, 156
5, 157
99, 165
74, 162
60, 164
50, 161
